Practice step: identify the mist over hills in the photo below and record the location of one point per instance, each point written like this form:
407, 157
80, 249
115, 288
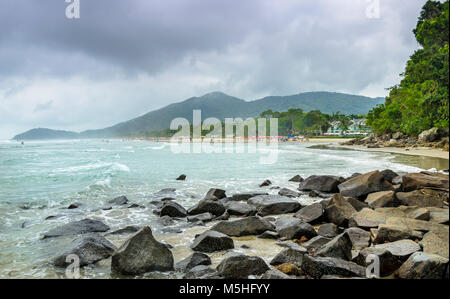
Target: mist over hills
218, 105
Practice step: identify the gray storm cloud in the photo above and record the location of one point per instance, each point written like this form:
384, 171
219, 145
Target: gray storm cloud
123, 58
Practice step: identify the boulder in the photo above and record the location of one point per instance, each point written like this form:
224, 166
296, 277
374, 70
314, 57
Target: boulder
288, 193
392, 233
401, 249
430, 180
173, 209
201, 272
328, 230
317, 267
323, 183
339, 247
269, 235
389, 175
265, 183
224, 216
206, 205
181, 177
339, 210
196, 259
438, 215
311, 214
275, 274
421, 265
75, 205
365, 184
381, 199
434, 243
141, 253
296, 179
246, 196
90, 248
121, 200
289, 256
419, 225
294, 228
359, 237
417, 213
274, 204
315, 243
242, 266
429, 135
367, 218
78, 227
388, 262
215, 194
203, 217
211, 241
126, 230
240, 209
422, 198
253, 225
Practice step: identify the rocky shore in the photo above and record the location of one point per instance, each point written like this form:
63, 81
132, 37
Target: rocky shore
400, 221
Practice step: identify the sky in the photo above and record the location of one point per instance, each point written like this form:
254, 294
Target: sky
123, 58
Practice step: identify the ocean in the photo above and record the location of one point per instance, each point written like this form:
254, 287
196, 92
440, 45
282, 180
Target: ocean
42, 178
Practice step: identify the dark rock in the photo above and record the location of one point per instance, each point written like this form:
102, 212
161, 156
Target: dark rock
201, 272
246, 196
367, 218
275, 274
329, 230
289, 256
243, 227
121, 200
293, 228
224, 216
126, 230
141, 253
242, 266
311, 214
214, 207
166, 221
274, 204
204, 217
359, 237
381, 199
196, 259
392, 233
181, 177
365, 184
434, 243
240, 208
90, 248
401, 249
388, 262
211, 241
415, 181
215, 194
269, 235
265, 183
135, 206
389, 175
315, 243
339, 210
52, 217
296, 179
75, 205
422, 198
317, 267
323, 183
78, 227
339, 247
173, 209
288, 193
422, 265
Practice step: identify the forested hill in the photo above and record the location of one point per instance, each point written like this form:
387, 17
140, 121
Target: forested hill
220, 105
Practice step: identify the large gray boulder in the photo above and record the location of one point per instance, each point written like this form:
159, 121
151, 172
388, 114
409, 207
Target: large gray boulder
434, 243
196, 259
288, 193
215, 194
323, 183
359, 237
401, 249
311, 214
242, 266
392, 233
292, 256
238, 208
364, 184
246, 196
173, 209
367, 218
422, 265
90, 248
423, 198
78, 227
381, 199
388, 262
203, 217
253, 225
211, 241
293, 228
141, 253
328, 230
201, 272
339, 247
274, 204
315, 243
317, 267
208, 205
340, 209
425, 179
430, 135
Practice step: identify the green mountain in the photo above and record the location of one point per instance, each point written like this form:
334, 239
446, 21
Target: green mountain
220, 105
42, 133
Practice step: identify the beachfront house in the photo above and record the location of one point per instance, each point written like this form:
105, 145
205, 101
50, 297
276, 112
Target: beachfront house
355, 127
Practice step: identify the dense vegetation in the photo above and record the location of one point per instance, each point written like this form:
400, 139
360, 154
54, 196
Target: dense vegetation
420, 101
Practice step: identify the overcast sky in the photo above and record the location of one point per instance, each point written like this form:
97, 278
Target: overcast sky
123, 58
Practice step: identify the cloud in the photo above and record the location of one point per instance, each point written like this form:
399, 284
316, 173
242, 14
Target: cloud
124, 58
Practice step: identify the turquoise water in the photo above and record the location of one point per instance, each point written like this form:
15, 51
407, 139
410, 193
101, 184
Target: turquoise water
41, 179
